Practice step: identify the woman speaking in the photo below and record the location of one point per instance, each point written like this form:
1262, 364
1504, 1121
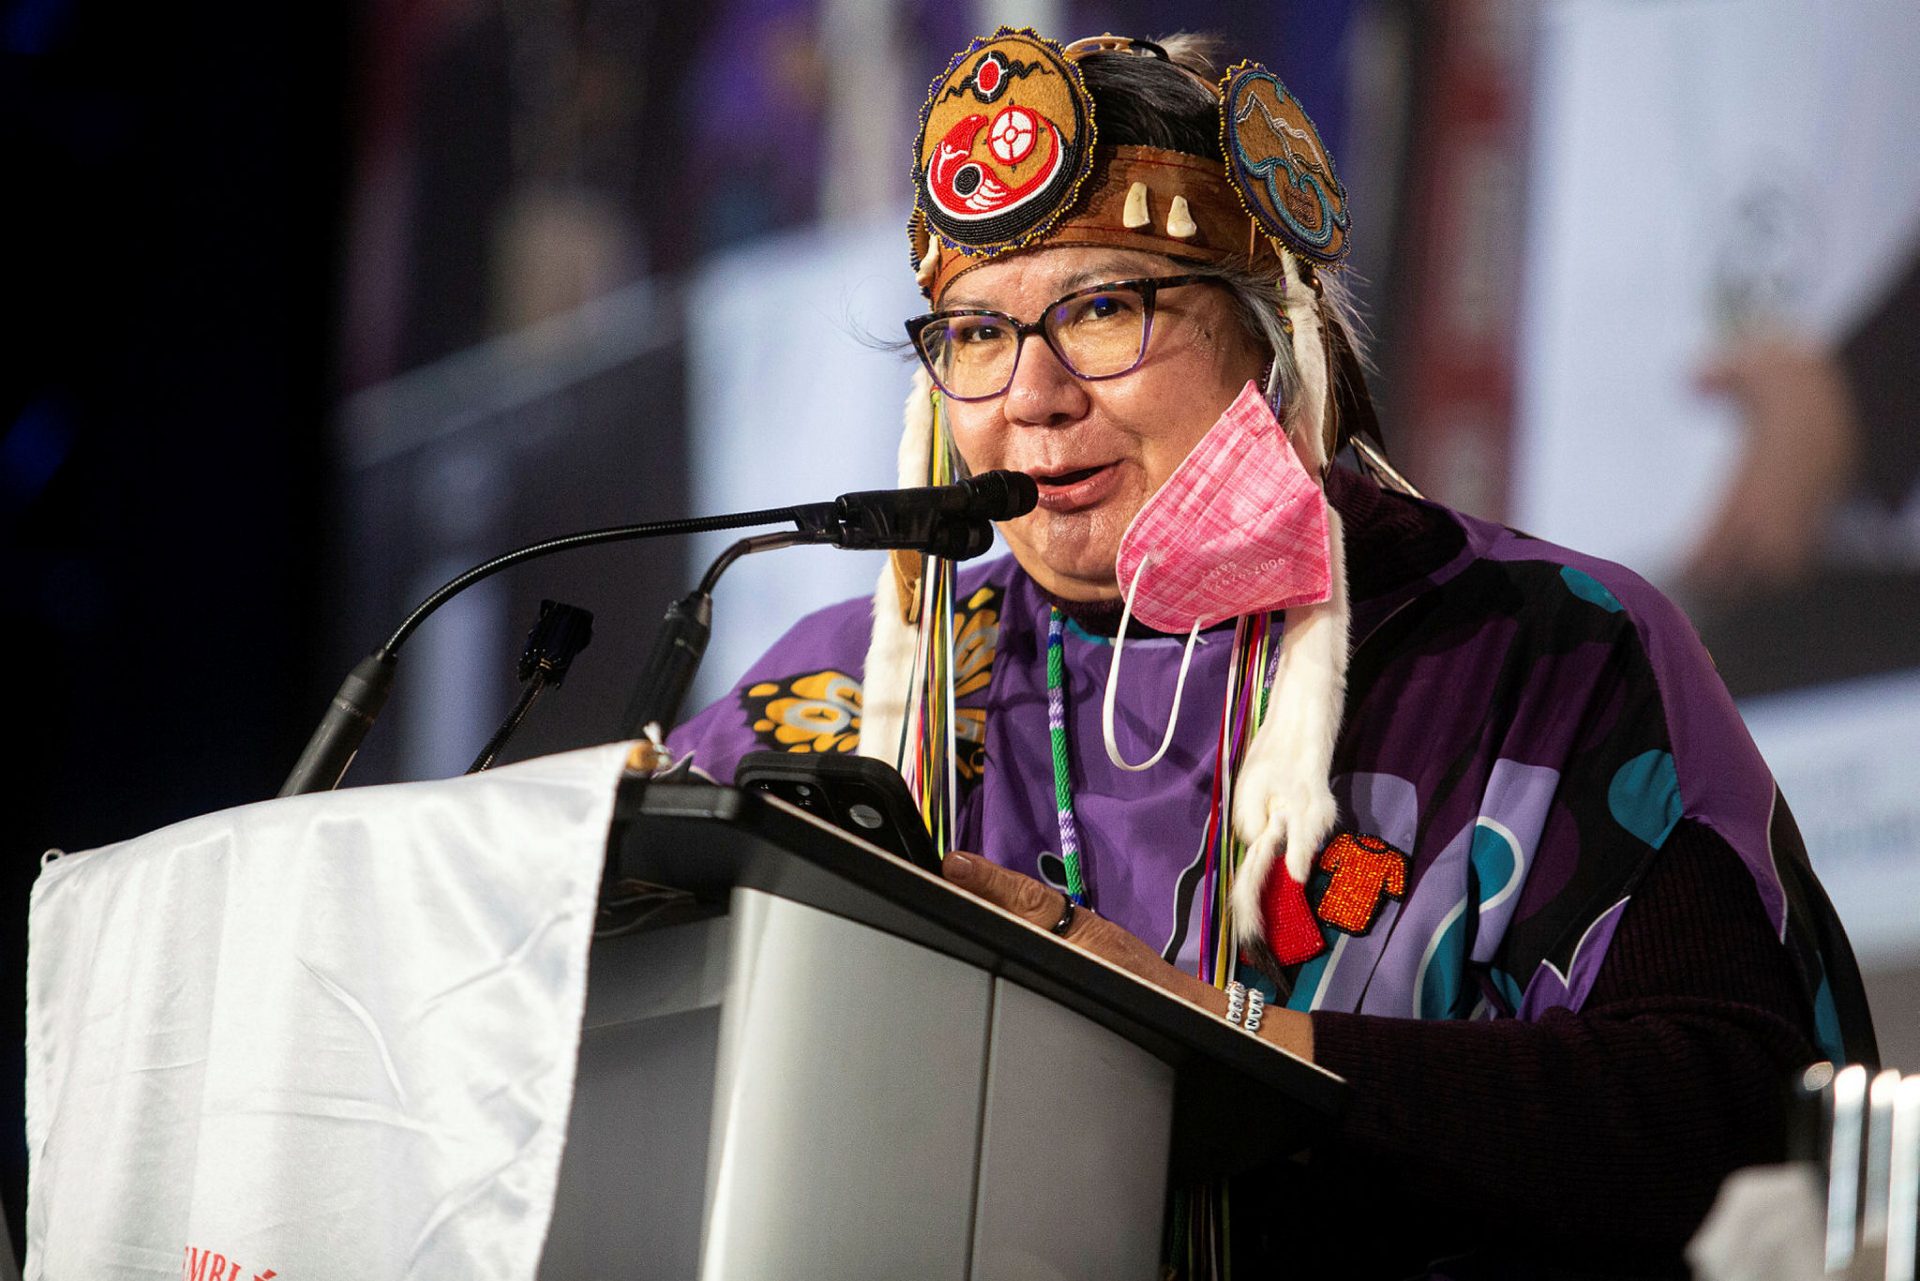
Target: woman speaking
1460, 815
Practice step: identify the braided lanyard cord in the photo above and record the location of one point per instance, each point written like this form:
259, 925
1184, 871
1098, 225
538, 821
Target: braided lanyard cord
1249, 675
1057, 732
1198, 1237
932, 765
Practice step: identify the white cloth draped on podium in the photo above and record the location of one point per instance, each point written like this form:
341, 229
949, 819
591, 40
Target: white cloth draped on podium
327, 1036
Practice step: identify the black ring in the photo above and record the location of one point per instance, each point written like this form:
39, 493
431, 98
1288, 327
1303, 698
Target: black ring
1067, 911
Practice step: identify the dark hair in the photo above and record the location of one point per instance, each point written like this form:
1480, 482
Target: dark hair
1144, 100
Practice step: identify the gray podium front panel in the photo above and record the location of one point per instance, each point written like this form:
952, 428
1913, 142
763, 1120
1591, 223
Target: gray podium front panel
846, 1116
1078, 1125
784, 1093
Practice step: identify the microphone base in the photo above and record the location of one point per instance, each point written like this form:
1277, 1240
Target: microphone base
344, 727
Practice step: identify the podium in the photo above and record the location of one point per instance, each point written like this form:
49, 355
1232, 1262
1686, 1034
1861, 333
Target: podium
836, 1065
372, 1033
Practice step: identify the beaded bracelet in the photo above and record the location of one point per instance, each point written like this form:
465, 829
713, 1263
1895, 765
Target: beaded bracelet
1256, 1006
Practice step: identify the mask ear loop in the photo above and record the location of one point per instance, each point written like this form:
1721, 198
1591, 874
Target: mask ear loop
1276, 403
1113, 683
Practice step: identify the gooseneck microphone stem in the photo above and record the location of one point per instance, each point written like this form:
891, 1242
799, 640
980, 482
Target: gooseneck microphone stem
747, 547
590, 538
529, 692
945, 520
324, 760
681, 642
340, 732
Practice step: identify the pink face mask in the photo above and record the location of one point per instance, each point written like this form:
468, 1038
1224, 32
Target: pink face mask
1238, 528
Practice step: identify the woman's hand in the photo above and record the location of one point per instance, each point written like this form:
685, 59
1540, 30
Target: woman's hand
1042, 905
1802, 450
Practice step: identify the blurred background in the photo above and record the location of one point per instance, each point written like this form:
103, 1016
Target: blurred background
315, 305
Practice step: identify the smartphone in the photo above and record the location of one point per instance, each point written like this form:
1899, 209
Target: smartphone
861, 796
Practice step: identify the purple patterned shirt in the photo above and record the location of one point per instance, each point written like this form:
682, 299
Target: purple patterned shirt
1524, 728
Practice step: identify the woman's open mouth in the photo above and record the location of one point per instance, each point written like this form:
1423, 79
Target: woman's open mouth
1072, 489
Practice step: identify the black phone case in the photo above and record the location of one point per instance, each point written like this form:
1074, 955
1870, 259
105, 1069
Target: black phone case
861, 796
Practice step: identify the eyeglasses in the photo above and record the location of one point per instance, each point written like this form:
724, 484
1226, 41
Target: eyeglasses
1098, 332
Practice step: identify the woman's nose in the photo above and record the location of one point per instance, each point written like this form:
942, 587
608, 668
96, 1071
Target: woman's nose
1044, 392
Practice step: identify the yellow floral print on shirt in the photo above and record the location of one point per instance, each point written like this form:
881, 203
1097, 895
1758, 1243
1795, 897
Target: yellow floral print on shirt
976, 638
820, 711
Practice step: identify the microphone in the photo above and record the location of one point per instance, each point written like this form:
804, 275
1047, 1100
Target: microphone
951, 521
337, 738
946, 520
1003, 495
994, 495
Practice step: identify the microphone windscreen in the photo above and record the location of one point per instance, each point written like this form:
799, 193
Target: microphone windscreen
961, 538
1004, 495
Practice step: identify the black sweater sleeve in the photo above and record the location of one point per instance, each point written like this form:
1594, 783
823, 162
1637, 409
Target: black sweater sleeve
1602, 1132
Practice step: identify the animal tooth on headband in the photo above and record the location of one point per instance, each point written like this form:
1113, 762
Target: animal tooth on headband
1135, 216
929, 265
1180, 220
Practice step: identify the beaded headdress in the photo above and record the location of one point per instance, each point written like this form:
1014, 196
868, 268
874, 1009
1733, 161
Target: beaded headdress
1007, 159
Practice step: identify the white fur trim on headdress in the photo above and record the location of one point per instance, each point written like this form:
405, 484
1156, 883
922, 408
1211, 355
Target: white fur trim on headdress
1315, 401
885, 698
1283, 797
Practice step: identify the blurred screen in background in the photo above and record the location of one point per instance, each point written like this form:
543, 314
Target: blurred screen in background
1720, 380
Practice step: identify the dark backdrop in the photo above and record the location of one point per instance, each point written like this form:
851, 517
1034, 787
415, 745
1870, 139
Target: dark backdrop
174, 178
